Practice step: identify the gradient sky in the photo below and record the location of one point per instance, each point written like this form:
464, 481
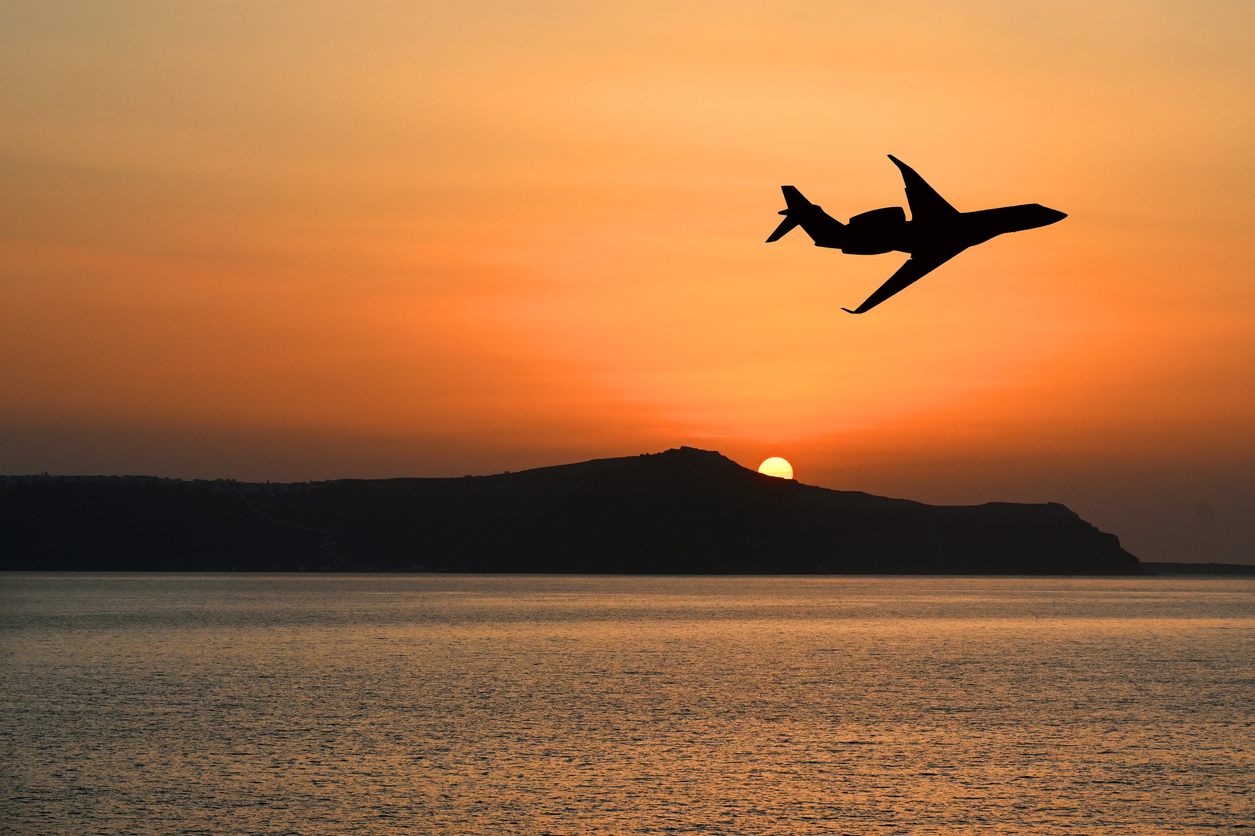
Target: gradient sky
306, 240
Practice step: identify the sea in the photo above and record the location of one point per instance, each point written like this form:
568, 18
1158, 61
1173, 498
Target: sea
492, 704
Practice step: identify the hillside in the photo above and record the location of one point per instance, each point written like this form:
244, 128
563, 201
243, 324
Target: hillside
683, 511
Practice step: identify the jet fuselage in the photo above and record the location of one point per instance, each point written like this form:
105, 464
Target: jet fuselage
936, 232
888, 230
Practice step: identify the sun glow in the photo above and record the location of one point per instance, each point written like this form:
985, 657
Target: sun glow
776, 466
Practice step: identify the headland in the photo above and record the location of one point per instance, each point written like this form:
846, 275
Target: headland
682, 511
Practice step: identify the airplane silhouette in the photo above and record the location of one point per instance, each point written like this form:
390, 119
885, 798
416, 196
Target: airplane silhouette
936, 232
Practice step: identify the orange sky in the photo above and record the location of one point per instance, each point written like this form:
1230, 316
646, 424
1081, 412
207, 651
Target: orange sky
314, 240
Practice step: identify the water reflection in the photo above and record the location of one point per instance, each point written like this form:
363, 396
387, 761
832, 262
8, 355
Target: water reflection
442, 704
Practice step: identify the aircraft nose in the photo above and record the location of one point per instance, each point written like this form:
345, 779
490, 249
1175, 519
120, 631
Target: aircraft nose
1053, 215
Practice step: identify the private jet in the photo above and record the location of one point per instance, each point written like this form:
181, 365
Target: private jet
936, 232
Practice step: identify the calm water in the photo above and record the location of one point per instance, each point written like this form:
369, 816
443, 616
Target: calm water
486, 705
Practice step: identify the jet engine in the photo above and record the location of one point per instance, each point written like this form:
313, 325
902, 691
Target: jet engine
877, 231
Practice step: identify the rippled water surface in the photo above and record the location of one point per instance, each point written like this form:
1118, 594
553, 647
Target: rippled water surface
573, 705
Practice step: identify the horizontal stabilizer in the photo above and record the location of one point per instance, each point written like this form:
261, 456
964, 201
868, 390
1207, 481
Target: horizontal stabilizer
785, 226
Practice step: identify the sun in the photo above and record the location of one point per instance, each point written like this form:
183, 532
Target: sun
776, 466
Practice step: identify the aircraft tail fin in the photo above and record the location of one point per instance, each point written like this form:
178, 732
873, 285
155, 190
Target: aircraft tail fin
797, 204
802, 212
794, 199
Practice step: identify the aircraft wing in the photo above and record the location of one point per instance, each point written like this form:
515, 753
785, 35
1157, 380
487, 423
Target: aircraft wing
925, 203
916, 267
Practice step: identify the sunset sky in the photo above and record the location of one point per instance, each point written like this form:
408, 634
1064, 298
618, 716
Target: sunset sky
309, 240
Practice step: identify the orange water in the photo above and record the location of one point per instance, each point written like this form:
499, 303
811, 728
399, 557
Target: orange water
493, 704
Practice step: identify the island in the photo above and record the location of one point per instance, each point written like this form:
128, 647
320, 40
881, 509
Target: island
682, 511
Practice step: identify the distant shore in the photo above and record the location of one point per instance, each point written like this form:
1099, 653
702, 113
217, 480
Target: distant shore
1199, 568
679, 512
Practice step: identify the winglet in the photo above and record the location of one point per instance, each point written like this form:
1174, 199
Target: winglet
847, 310
903, 167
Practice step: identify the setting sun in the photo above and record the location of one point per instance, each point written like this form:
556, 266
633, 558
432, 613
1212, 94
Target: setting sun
264, 241
776, 466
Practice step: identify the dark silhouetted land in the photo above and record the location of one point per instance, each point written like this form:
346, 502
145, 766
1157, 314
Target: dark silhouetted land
1199, 568
683, 511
